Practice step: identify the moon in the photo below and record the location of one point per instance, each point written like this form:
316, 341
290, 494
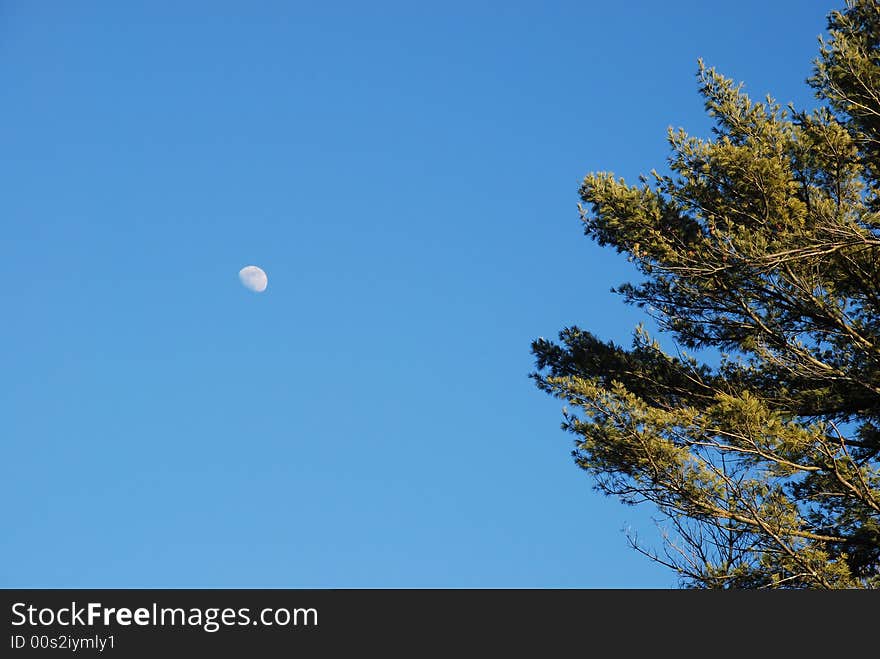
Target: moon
253, 278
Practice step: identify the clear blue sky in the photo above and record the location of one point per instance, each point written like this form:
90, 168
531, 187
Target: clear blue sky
406, 173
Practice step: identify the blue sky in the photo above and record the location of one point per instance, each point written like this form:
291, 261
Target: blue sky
406, 174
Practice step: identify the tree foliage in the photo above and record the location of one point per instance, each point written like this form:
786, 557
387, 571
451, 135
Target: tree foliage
762, 243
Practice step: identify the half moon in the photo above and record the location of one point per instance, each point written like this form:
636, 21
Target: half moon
253, 278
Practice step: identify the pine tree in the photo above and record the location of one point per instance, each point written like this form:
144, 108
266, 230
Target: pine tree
761, 245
